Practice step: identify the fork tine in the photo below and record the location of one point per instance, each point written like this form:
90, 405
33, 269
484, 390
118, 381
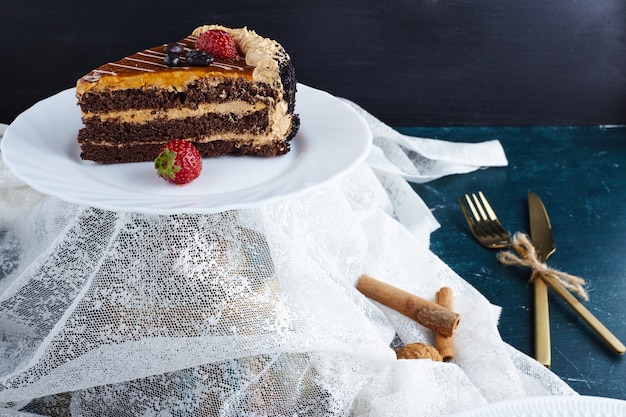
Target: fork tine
492, 214
466, 214
479, 206
488, 209
470, 203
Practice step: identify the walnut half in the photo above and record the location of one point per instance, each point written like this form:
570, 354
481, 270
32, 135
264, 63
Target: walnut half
418, 351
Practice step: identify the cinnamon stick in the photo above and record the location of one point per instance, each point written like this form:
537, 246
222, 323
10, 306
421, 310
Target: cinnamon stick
445, 344
428, 314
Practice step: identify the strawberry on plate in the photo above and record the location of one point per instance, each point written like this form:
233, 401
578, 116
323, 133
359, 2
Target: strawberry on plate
218, 43
179, 162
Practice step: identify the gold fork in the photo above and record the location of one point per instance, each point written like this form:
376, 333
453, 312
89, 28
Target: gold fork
483, 222
490, 233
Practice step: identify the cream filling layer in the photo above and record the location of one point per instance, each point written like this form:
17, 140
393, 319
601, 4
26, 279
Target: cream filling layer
243, 138
141, 116
279, 126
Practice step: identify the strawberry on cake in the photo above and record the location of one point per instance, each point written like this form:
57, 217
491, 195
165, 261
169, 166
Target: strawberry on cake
227, 91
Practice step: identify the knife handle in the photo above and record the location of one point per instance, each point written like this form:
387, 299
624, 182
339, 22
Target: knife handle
585, 314
542, 324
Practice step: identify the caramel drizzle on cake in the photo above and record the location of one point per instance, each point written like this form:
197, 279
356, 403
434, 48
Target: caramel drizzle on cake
124, 73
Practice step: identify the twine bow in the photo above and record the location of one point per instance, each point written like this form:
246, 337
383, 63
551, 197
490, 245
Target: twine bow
523, 253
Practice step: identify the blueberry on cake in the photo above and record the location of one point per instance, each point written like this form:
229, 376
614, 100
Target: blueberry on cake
227, 91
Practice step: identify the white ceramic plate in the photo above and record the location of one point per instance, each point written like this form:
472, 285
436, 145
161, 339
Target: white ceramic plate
555, 406
41, 149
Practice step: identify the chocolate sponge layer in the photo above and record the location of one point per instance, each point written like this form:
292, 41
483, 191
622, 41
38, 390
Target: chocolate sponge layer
120, 133
148, 151
200, 91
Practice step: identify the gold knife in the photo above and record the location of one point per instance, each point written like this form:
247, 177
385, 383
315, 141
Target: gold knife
543, 241
542, 238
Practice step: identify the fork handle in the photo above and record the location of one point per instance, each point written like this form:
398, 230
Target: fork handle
542, 324
585, 314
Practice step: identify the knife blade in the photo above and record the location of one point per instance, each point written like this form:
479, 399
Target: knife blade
542, 239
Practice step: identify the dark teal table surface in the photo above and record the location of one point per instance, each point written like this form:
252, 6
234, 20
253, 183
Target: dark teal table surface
580, 174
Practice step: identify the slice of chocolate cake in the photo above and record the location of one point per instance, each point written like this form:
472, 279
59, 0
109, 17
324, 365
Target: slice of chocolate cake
239, 105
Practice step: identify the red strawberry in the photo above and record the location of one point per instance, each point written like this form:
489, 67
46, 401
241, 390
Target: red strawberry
178, 162
218, 43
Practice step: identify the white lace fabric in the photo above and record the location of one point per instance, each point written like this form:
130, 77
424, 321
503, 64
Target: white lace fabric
250, 312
